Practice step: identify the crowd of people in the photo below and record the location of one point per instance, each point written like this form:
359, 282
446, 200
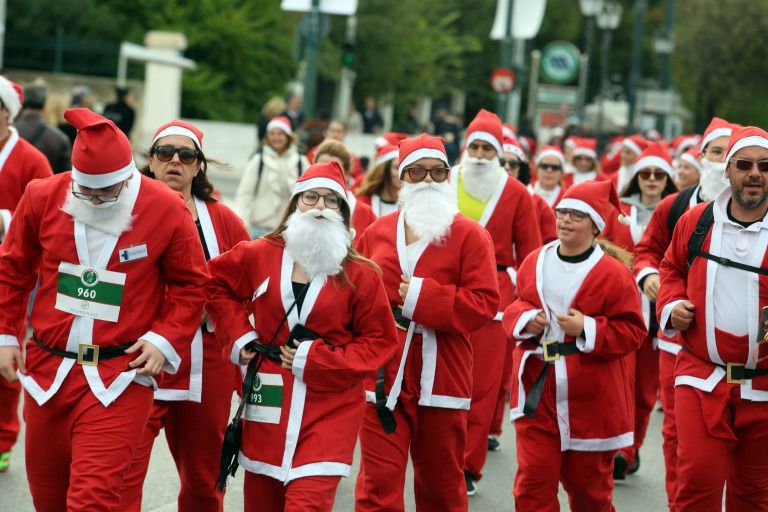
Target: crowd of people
404, 307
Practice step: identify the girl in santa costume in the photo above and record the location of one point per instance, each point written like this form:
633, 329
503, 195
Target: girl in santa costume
550, 165
381, 185
192, 406
578, 314
321, 317
585, 166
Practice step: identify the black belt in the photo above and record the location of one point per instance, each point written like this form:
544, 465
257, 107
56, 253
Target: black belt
385, 415
87, 354
269, 351
552, 352
401, 321
736, 373
501, 268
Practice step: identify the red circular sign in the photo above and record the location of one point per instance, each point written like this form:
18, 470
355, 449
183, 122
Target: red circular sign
503, 80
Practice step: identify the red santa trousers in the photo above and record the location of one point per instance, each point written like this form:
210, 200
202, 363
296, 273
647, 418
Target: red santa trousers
9, 416
77, 450
644, 374
437, 439
488, 352
587, 477
506, 385
307, 494
722, 439
668, 426
195, 431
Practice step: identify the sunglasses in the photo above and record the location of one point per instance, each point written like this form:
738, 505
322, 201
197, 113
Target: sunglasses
186, 155
744, 164
417, 174
576, 215
512, 163
647, 173
310, 198
549, 167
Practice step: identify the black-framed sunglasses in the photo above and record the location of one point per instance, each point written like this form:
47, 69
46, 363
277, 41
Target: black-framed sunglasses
332, 200
576, 215
744, 164
657, 174
549, 167
186, 155
418, 174
104, 198
511, 162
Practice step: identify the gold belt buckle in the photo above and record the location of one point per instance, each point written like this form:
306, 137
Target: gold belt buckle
729, 373
86, 358
550, 358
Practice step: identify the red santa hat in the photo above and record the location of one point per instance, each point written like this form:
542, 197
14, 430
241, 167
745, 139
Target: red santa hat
596, 199
508, 132
421, 146
585, 147
486, 126
655, 155
570, 142
718, 127
281, 122
551, 151
329, 175
692, 157
682, 143
528, 144
635, 143
512, 146
12, 96
101, 155
386, 153
388, 138
744, 137
180, 128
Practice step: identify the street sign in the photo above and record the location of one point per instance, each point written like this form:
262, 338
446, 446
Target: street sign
560, 62
526, 19
340, 7
556, 95
503, 80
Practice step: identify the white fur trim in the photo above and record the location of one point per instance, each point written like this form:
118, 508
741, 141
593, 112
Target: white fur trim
587, 344
279, 123
178, 130
7, 340
10, 97
664, 319
417, 155
551, 152
103, 180
487, 137
632, 146
652, 161
172, 358
386, 157
300, 358
585, 152
578, 204
754, 140
312, 183
688, 158
234, 355
412, 297
720, 132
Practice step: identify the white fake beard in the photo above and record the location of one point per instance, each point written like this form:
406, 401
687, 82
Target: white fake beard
111, 218
713, 180
429, 209
625, 176
479, 177
318, 241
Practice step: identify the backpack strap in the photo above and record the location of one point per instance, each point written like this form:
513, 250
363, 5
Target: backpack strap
260, 171
678, 207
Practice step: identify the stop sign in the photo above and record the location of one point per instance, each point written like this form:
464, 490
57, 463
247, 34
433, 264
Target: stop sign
503, 80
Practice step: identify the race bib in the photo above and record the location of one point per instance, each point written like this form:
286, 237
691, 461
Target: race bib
265, 401
89, 292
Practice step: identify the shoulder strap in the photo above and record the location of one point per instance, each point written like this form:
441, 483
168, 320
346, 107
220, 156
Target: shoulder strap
678, 207
260, 171
700, 232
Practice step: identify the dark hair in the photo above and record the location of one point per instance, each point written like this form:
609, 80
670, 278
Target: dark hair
633, 187
524, 173
201, 187
377, 180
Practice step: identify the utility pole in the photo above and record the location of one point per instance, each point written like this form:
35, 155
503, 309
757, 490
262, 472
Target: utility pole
634, 73
2, 33
665, 76
502, 101
310, 52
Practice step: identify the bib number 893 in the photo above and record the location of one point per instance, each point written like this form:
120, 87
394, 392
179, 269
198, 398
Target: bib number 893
86, 293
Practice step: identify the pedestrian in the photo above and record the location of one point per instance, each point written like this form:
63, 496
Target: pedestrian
688, 168
550, 167
31, 125
325, 307
119, 299
193, 405
294, 102
585, 166
372, 121
121, 111
81, 97
381, 185
354, 119
578, 313
440, 276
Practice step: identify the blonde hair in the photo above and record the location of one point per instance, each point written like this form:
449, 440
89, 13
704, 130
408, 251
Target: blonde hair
274, 107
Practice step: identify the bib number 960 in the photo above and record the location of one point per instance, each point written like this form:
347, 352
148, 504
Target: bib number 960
86, 293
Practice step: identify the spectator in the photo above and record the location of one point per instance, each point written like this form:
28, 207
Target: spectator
409, 124
52, 142
446, 128
82, 97
293, 110
121, 112
372, 121
272, 108
354, 120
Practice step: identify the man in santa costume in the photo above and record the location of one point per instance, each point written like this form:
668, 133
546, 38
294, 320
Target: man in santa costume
713, 294
503, 206
441, 280
578, 311
120, 298
20, 163
584, 162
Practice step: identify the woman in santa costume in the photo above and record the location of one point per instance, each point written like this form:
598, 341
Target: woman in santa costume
193, 405
550, 165
651, 182
579, 312
441, 281
585, 167
381, 185
688, 168
119, 300
325, 307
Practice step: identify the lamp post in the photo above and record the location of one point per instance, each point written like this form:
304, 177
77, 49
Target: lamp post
634, 72
589, 9
607, 20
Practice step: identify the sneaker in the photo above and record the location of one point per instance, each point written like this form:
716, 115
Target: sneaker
619, 467
471, 483
5, 461
493, 443
635, 465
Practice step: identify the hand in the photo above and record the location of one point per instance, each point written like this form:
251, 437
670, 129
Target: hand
572, 323
406, 281
682, 315
10, 359
537, 325
287, 354
246, 356
150, 361
651, 286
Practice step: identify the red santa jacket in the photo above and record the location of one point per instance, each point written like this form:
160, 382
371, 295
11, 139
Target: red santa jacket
546, 218
362, 216
20, 163
595, 381
374, 201
160, 257
222, 230
453, 291
302, 422
569, 179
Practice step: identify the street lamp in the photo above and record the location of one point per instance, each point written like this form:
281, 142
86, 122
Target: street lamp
589, 9
608, 20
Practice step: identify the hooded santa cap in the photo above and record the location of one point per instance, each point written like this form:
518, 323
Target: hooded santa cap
421, 146
585, 147
180, 128
386, 153
635, 143
486, 126
101, 155
512, 146
389, 138
655, 155
570, 142
718, 127
329, 175
692, 157
281, 122
551, 151
597, 199
12, 96
682, 143
744, 137
507, 132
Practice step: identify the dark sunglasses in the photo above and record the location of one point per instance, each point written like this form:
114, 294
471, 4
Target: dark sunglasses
744, 164
186, 155
510, 162
417, 174
576, 215
549, 167
647, 173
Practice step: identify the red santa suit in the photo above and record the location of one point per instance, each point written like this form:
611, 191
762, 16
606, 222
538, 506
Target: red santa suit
379, 206
552, 197
362, 215
592, 378
89, 417
720, 421
587, 148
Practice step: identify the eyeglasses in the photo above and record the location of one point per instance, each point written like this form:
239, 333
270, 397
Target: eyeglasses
576, 215
657, 174
186, 155
512, 163
104, 198
745, 165
417, 174
310, 198
549, 167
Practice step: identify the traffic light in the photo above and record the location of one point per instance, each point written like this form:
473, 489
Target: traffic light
348, 54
